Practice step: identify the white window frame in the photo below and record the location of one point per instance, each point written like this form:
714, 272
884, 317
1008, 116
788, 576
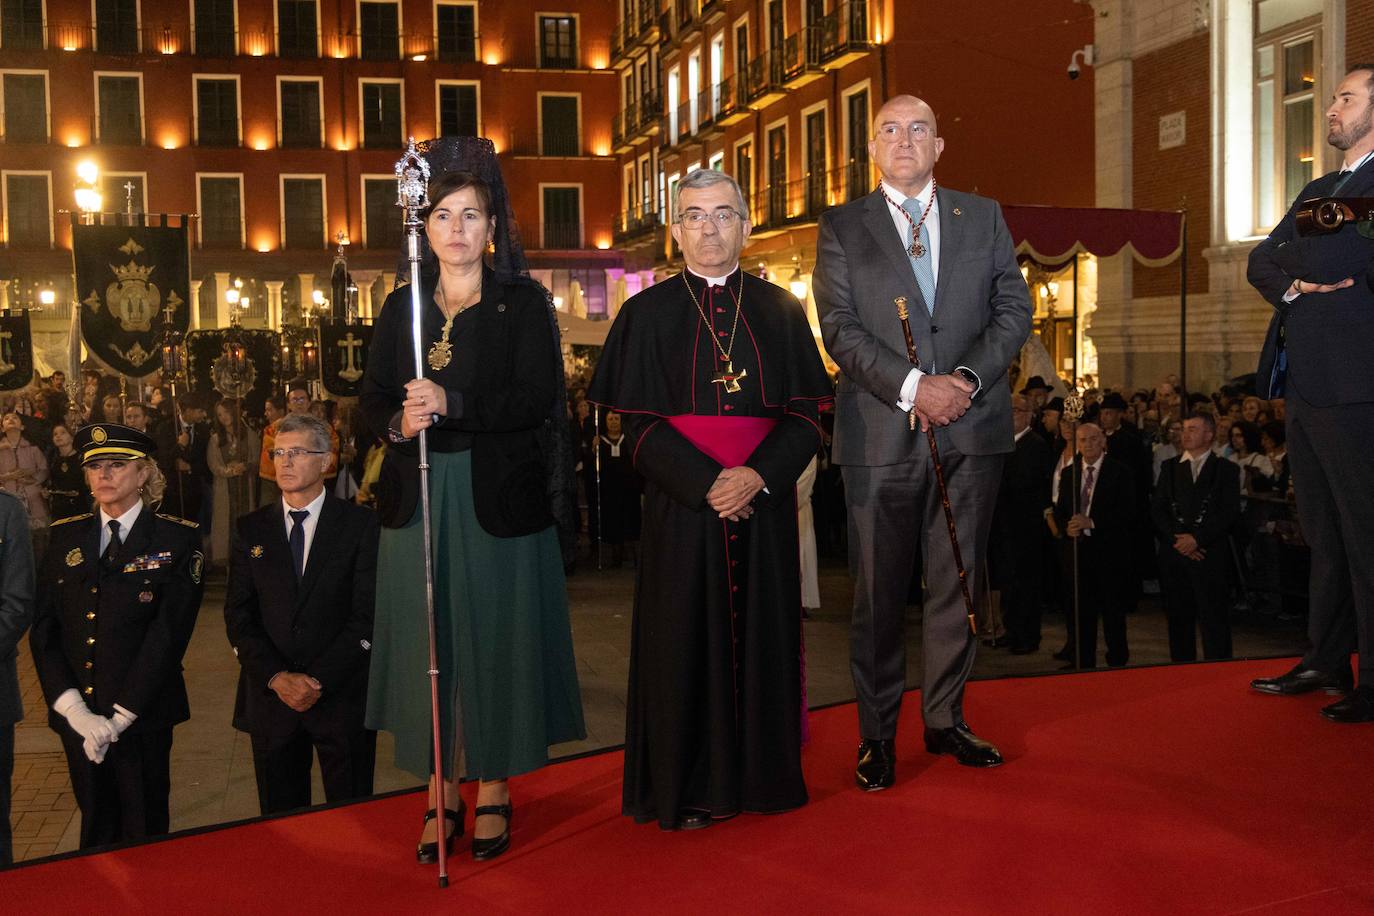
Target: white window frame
539, 114
243, 222
716, 161
142, 102
324, 203
824, 109
847, 144
671, 91
786, 165
47, 28
1280, 39
694, 92
715, 69
235, 5
400, 27
581, 212
5, 199
47, 99
740, 23
476, 28
476, 84
373, 80
747, 140
363, 179
238, 104
318, 81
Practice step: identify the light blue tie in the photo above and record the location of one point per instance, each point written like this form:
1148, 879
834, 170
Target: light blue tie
925, 276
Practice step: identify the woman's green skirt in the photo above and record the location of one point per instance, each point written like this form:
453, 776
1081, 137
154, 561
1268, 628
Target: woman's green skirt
507, 677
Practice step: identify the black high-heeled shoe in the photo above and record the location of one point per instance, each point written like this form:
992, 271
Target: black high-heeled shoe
428, 853
492, 847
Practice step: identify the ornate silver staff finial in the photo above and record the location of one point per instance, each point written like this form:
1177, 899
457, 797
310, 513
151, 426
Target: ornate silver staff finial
1073, 407
412, 182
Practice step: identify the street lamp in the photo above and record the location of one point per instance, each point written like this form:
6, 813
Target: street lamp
47, 297
88, 196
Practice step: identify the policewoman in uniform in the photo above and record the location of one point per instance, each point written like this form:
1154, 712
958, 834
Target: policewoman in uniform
120, 589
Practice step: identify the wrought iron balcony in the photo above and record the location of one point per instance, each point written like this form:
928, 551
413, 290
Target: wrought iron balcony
765, 76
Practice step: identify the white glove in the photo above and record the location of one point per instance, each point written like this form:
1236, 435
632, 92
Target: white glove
96, 731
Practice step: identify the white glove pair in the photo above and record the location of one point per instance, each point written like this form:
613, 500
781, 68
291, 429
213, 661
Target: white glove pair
97, 731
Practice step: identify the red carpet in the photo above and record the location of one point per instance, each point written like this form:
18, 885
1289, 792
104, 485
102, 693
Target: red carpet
1154, 791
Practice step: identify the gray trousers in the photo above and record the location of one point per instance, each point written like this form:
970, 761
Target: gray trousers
1331, 454
894, 511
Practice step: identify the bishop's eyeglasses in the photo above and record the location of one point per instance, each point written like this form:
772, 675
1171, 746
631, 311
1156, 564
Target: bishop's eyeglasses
696, 218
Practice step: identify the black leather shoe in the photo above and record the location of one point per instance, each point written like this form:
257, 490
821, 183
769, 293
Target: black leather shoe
1357, 707
694, 819
494, 846
963, 745
877, 764
428, 853
1305, 680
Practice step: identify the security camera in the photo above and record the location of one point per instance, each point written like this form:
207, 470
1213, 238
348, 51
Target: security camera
1087, 54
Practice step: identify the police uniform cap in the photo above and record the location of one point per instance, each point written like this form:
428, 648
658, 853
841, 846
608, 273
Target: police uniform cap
101, 441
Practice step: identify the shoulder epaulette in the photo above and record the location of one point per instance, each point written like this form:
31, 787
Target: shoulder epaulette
73, 518
179, 520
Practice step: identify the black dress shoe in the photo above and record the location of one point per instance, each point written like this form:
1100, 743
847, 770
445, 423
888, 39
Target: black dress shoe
428, 853
1304, 680
963, 745
694, 819
1357, 707
877, 763
494, 846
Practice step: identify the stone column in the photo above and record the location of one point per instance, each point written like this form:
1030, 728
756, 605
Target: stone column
307, 290
193, 307
221, 299
274, 288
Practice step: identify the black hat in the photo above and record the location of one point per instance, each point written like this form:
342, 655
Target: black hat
1056, 404
100, 441
1114, 401
1036, 383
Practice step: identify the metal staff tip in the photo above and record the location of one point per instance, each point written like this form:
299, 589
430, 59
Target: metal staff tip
412, 181
900, 302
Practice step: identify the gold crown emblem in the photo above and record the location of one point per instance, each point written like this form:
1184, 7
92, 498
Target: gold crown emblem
132, 271
98, 435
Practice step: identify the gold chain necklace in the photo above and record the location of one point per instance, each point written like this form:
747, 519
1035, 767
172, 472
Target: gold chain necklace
727, 377
441, 354
917, 250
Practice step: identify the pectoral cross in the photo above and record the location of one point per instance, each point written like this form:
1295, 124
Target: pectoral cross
168, 312
729, 378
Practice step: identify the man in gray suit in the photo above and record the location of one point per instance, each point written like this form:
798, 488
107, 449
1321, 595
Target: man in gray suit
949, 254
16, 613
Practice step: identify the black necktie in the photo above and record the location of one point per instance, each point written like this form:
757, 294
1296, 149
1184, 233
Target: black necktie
112, 548
297, 539
1340, 182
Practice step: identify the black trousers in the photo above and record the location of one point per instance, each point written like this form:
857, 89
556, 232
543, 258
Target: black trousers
1331, 455
1103, 594
895, 513
282, 765
6, 777
1195, 600
1021, 595
125, 797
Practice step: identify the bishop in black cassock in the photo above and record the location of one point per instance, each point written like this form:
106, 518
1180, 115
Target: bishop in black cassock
715, 701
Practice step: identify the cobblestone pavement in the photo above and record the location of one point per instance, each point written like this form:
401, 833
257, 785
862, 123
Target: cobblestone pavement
212, 765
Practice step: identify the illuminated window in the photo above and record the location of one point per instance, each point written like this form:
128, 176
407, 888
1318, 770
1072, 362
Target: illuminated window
28, 205
26, 107
1289, 126
558, 42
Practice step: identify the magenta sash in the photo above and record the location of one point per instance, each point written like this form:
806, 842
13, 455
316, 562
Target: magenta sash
729, 440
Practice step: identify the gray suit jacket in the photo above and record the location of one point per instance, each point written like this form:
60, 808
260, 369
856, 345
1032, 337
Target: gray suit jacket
982, 317
16, 600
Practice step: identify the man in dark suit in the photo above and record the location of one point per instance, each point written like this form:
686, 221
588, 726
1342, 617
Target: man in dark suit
16, 613
1095, 508
1195, 504
1017, 546
1316, 357
949, 254
302, 583
183, 442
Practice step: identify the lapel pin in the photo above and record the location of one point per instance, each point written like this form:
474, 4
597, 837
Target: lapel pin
74, 557
145, 597
255, 551
958, 212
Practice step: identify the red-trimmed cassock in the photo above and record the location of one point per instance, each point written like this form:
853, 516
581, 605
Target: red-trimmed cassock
714, 711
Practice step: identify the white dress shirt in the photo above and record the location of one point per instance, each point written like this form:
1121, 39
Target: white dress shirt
311, 520
126, 525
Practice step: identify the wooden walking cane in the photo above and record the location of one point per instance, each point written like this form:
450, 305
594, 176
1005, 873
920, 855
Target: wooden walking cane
412, 181
905, 317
